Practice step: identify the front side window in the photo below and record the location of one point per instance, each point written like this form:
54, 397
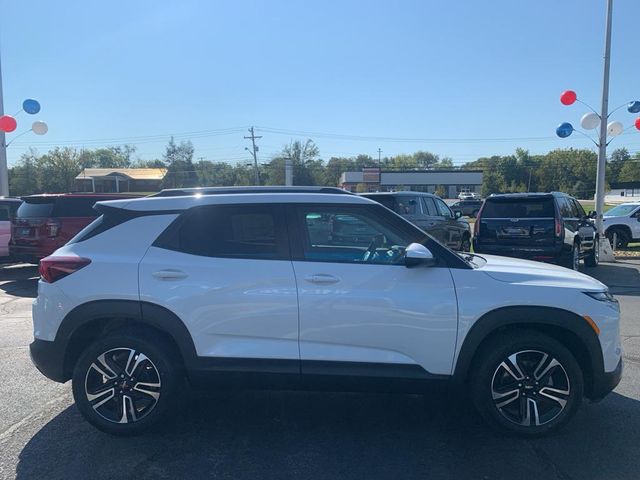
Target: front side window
350, 235
232, 232
579, 211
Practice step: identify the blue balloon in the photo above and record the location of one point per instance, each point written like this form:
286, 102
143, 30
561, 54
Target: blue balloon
31, 106
633, 107
564, 130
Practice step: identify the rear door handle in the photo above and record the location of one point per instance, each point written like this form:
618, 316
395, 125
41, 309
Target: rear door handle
321, 278
169, 274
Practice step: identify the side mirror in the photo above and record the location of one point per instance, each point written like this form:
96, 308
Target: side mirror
418, 254
592, 214
457, 214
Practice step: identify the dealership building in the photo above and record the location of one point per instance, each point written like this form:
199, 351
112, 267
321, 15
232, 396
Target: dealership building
451, 181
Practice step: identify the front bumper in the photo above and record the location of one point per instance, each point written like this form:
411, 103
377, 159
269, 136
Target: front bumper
48, 357
605, 382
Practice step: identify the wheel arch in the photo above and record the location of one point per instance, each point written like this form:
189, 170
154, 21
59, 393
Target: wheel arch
620, 226
90, 320
569, 328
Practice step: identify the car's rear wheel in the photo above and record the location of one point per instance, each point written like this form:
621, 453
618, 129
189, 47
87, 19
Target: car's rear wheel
593, 259
126, 382
622, 237
527, 383
465, 245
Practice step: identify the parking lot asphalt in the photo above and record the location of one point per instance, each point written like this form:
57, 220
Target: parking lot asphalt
280, 435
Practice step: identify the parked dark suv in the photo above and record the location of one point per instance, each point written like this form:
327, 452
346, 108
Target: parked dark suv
431, 214
551, 227
44, 223
468, 208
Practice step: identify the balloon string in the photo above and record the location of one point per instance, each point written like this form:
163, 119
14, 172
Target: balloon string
584, 134
18, 136
589, 107
18, 113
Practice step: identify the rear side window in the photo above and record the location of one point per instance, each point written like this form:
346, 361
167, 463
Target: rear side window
430, 206
255, 232
35, 210
519, 208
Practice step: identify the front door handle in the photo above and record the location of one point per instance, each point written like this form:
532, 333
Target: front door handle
321, 278
169, 274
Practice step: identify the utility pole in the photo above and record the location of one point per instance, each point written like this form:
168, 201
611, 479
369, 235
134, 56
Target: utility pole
379, 166
604, 114
4, 171
254, 152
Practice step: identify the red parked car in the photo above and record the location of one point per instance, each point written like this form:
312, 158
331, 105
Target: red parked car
44, 223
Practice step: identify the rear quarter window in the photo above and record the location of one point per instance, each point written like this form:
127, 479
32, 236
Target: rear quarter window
519, 208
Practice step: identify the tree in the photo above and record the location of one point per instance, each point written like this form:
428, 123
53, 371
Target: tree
59, 168
441, 191
426, 160
308, 169
445, 162
24, 178
179, 161
619, 157
630, 171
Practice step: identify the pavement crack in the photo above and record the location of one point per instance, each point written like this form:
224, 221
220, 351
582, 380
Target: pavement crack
542, 455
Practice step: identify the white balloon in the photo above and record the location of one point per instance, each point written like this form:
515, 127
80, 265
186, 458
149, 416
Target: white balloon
614, 129
590, 120
39, 127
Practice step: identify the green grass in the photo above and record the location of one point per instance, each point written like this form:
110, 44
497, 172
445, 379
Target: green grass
591, 205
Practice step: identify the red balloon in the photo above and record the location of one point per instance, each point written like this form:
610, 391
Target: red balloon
568, 97
7, 123
638, 123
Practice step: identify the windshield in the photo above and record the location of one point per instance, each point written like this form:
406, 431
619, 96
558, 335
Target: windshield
621, 211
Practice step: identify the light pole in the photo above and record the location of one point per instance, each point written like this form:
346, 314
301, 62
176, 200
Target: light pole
4, 171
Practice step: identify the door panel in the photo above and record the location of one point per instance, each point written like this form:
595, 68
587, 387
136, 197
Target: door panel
224, 271
357, 300
378, 314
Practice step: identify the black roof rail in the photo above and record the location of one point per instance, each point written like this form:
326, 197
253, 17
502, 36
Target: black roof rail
182, 192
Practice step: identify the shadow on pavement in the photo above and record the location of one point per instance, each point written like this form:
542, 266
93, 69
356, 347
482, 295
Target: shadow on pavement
19, 280
622, 277
342, 436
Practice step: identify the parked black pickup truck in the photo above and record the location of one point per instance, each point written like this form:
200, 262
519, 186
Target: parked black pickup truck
551, 227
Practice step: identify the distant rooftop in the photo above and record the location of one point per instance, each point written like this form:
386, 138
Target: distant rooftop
131, 173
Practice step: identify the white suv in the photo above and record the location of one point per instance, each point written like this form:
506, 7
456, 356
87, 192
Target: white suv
252, 287
623, 223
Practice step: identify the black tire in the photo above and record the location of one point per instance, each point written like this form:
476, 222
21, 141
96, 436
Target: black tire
593, 258
159, 373
572, 261
465, 245
527, 346
622, 237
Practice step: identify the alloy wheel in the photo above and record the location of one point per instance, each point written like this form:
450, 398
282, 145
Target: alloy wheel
530, 388
575, 258
122, 385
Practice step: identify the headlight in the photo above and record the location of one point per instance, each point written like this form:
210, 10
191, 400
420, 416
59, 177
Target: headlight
602, 296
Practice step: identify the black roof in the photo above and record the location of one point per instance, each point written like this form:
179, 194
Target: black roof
182, 192
403, 192
529, 195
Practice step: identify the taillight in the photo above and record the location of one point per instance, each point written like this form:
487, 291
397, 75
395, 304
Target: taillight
559, 227
476, 225
52, 228
54, 268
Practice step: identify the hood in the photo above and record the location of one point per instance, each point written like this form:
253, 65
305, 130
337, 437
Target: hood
526, 272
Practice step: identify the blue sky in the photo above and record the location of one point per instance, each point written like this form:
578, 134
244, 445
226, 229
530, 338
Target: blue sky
470, 78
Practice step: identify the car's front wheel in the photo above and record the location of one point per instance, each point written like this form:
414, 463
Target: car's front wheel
527, 383
125, 383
